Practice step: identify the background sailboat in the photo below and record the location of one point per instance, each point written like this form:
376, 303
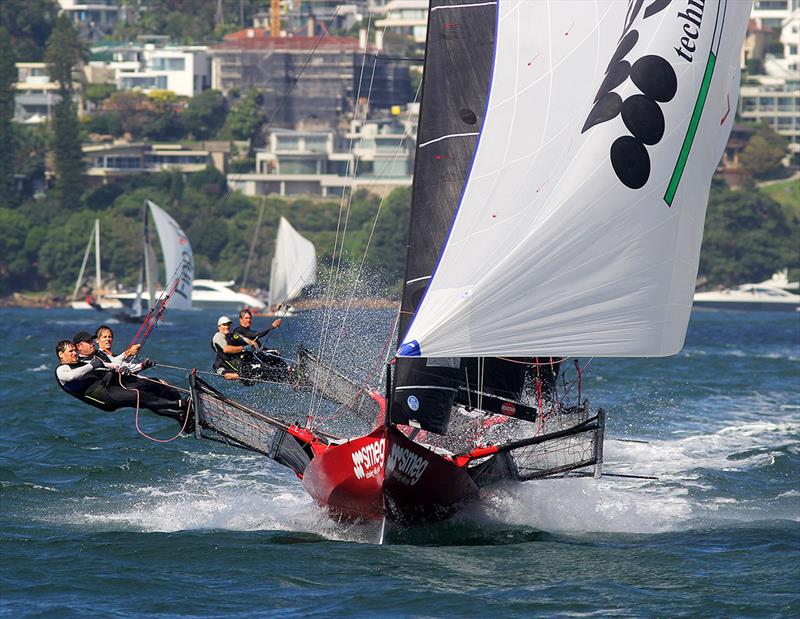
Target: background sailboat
294, 266
178, 262
96, 299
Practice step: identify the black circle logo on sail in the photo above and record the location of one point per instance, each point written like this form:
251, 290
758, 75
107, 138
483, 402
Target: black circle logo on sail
630, 161
468, 116
641, 113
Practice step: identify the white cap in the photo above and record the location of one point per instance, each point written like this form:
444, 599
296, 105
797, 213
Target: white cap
224, 320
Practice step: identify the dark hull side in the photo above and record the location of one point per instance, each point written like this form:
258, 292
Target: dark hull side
386, 474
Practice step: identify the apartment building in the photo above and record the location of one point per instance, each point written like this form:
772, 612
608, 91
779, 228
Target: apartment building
184, 70
774, 98
307, 77
111, 162
376, 155
34, 93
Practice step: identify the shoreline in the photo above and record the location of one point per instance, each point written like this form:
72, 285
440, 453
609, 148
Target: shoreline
47, 301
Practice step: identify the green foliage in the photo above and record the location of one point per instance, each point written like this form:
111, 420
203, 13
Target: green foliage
31, 144
8, 76
246, 118
189, 21
29, 23
133, 112
96, 93
15, 263
388, 247
64, 52
764, 152
787, 194
748, 237
205, 114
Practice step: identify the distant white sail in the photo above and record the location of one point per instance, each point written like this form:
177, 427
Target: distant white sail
294, 266
178, 258
580, 225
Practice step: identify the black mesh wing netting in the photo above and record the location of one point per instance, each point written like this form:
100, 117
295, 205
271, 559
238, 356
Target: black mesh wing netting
218, 418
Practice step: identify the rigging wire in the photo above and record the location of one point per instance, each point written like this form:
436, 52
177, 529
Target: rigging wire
351, 300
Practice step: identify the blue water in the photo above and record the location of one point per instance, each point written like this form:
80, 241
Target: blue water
98, 521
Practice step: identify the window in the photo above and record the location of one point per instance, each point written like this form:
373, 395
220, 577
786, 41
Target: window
168, 64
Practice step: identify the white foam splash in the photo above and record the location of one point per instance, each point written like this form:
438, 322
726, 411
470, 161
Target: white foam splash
648, 506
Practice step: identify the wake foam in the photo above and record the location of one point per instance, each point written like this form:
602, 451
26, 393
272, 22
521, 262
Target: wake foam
684, 493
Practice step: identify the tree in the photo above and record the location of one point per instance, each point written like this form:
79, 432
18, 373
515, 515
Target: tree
64, 52
764, 152
748, 237
205, 114
246, 118
8, 76
388, 247
29, 24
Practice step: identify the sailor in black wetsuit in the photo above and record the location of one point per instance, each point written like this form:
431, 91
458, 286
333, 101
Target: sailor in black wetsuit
245, 323
99, 384
239, 356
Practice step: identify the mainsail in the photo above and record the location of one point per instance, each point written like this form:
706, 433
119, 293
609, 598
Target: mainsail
294, 265
458, 66
579, 228
177, 253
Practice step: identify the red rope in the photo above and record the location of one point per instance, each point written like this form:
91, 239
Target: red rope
138, 408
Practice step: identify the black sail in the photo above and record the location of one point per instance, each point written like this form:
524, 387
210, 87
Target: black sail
455, 89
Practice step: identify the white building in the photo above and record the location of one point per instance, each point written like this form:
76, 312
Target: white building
405, 16
93, 18
774, 98
376, 156
184, 70
772, 13
34, 94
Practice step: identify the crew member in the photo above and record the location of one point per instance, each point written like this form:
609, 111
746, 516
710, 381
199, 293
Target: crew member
245, 323
108, 386
104, 338
228, 354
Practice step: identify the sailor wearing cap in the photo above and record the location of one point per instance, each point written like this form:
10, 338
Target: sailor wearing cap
228, 353
84, 343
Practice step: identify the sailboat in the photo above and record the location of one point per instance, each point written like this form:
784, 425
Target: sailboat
564, 157
178, 265
97, 300
294, 267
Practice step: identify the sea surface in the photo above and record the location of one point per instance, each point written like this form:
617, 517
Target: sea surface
98, 521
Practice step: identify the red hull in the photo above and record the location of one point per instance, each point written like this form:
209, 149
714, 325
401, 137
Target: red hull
385, 473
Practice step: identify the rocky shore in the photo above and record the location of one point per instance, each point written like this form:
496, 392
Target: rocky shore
33, 299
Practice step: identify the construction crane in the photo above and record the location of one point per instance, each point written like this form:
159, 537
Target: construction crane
275, 18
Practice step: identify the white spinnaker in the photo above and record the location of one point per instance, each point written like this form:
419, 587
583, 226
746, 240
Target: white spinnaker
550, 253
294, 266
178, 258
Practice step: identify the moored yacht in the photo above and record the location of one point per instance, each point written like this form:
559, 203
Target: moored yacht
772, 295
207, 293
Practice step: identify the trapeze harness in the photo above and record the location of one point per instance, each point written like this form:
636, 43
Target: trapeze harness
89, 388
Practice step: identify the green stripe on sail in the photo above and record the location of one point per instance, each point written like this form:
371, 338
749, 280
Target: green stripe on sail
692, 131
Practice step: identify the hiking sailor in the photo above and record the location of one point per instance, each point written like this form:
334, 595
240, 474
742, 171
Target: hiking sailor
100, 384
104, 337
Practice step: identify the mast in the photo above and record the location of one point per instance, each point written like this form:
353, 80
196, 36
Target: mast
455, 89
98, 279
83, 266
148, 261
